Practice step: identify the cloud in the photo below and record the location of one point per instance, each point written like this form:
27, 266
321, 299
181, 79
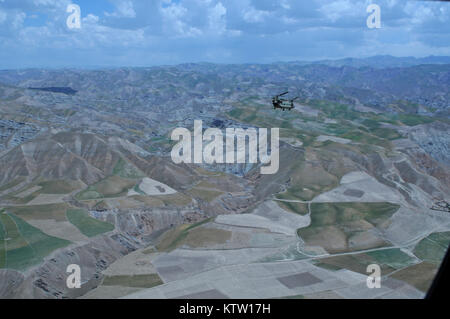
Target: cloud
216, 18
125, 9
253, 15
137, 32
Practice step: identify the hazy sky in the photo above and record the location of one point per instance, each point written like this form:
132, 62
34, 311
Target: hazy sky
34, 33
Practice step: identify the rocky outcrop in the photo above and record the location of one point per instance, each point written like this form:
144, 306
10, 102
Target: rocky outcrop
434, 139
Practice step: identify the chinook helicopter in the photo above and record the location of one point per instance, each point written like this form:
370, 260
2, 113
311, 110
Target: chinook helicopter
283, 104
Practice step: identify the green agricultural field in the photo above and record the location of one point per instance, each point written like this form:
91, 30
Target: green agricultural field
388, 259
335, 110
134, 281
412, 119
420, 275
394, 258
176, 237
366, 138
160, 143
58, 187
342, 227
171, 239
433, 248
177, 200
88, 194
371, 123
324, 214
113, 186
357, 263
41, 243
126, 170
24, 245
297, 208
40, 212
386, 133
308, 181
12, 183
22, 200
18, 254
200, 223
87, 225
203, 237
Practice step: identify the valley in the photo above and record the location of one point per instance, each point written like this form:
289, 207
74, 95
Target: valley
86, 178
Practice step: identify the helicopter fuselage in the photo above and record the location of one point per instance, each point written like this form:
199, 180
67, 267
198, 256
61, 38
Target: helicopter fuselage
282, 104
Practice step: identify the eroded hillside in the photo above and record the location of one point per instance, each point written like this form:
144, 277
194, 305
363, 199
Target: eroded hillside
86, 178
